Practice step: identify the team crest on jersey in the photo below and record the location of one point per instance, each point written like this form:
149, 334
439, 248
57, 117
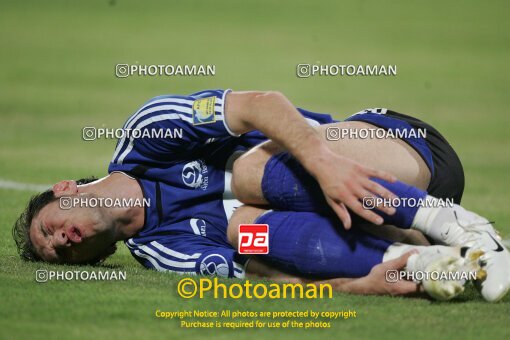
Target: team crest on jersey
203, 111
198, 226
214, 264
195, 174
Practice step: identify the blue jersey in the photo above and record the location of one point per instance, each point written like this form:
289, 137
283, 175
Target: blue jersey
182, 156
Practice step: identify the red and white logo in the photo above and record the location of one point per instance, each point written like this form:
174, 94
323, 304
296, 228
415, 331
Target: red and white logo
253, 239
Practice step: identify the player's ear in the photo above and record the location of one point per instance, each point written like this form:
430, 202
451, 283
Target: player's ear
65, 188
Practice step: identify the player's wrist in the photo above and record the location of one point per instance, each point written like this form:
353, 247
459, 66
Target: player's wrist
316, 156
358, 286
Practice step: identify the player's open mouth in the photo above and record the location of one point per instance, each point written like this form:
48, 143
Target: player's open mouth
74, 234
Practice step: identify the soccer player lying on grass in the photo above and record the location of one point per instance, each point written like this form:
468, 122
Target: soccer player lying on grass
195, 179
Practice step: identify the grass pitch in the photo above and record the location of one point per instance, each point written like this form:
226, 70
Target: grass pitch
57, 76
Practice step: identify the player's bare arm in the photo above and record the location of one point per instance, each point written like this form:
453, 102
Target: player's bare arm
372, 284
343, 181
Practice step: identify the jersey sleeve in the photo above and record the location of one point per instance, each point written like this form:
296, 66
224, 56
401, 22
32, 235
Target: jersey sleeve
181, 254
169, 125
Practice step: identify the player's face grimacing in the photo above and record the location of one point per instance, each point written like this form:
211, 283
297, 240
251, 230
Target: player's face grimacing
76, 235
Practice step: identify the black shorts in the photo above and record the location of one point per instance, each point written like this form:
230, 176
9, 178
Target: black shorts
447, 177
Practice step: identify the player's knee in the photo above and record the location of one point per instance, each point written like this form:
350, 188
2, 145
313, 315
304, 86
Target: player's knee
238, 178
247, 175
248, 171
232, 236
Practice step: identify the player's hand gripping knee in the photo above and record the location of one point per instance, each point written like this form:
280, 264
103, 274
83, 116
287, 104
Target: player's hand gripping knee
347, 184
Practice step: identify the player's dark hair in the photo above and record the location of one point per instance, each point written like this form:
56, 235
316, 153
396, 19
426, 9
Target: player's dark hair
21, 228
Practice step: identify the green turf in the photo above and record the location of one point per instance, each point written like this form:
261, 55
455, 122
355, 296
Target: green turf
57, 76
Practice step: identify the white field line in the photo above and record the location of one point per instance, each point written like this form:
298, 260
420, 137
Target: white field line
5, 184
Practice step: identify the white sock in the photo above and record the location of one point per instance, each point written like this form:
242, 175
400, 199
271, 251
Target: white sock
433, 220
423, 220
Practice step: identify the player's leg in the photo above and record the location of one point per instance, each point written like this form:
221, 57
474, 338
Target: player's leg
391, 155
267, 164
451, 225
411, 159
267, 175
309, 245
287, 186
425, 162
